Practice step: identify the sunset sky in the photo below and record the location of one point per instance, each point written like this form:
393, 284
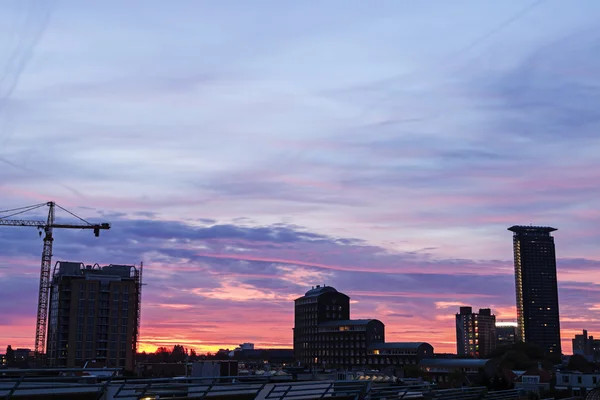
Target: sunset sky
248, 150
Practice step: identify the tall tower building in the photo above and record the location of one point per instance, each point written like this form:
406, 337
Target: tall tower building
320, 304
93, 315
475, 333
536, 287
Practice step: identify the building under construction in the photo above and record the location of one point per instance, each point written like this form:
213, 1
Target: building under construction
94, 315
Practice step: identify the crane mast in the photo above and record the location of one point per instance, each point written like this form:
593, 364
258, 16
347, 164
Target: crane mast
44, 289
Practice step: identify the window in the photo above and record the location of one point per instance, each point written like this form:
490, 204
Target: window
579, 379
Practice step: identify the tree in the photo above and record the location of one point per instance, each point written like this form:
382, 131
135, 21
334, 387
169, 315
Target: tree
10, 356
162, 354
178, 354
193, 355
577, 362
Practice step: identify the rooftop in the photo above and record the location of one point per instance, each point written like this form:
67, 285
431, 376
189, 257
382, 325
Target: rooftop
318, 290
454, 362
67, 268
397, 345
348, 322
531, 229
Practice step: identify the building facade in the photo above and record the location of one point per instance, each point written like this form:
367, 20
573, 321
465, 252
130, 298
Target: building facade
319, 305
506, 333
475, 332
344, 344
536, 287
443, 371
93, 315
326, 337
380, 355
586, 346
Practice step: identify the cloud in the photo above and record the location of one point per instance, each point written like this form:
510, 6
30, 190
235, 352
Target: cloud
243, 172
182, 282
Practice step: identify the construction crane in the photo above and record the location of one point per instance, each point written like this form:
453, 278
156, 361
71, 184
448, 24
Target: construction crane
46, 226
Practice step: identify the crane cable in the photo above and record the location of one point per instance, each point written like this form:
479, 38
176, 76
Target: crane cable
76, 216
23, 210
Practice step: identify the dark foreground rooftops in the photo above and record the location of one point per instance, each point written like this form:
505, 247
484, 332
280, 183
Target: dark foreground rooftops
454, 362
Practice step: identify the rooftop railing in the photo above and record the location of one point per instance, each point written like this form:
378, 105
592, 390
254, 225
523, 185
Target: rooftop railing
105, 384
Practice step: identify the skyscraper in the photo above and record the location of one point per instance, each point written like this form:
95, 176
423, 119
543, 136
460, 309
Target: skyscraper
94, 315
475, 332
536, 287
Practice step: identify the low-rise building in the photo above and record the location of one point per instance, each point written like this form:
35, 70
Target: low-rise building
468, 371
580, 383
398, 353
534, 379
344, 344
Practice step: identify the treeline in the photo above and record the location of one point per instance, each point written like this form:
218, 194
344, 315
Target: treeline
177, 355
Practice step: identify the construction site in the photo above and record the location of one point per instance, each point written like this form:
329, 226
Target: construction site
85, 313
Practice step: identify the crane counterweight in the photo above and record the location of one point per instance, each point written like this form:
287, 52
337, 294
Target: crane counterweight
44, 290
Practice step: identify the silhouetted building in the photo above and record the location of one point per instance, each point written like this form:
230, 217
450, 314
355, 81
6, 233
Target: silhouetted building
582, 344
586, 346
475, 333
320, 304
536, 287
458, 372
93, 315
380, 355
326, 337
344, 344
506, 333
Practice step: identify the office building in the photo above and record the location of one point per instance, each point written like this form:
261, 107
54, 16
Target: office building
344, 344
506, 333
475, 332
536, 287
326, 337
93, 315
319, 305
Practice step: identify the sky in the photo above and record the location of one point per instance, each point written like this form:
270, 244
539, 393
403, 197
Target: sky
246, 151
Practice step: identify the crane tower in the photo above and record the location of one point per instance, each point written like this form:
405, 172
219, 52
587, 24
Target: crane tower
47, 227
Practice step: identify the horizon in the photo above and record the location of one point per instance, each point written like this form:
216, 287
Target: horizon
246, 152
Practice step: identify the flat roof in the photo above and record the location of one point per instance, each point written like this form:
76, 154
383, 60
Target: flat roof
397, 345
348, 322
531, 228
454, 362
